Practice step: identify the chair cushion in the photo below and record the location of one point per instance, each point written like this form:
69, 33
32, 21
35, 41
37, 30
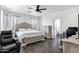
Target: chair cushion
7, 41
9, 48
6, 32
6, 36
8, 44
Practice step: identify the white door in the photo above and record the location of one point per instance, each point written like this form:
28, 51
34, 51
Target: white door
57, 26
56, 31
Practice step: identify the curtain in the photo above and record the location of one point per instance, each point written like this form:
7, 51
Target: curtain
34, 23
10, 21
7, 22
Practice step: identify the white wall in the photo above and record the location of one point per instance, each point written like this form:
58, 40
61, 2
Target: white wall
69, 18
46, 20
22, 18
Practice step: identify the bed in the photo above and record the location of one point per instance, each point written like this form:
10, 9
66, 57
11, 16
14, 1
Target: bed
27, 35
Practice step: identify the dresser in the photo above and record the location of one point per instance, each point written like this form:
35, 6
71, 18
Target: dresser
71, 45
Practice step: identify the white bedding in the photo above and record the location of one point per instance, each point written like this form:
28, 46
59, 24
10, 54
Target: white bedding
28, 33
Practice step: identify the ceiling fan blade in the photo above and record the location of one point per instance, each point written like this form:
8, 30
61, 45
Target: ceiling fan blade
38, 6
43, 9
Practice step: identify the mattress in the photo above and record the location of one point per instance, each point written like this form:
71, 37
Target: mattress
28, 33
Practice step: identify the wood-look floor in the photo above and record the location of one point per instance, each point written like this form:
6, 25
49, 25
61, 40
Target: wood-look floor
47, 46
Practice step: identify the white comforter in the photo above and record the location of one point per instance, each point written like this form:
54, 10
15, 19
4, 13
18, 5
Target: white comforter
28, 33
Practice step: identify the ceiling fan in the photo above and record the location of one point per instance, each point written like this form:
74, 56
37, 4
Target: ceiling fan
38, 9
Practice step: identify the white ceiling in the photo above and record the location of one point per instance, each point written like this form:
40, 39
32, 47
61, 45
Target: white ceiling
25, 8
57, 8
17, 8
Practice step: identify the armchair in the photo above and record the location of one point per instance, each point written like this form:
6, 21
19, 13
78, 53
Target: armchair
8, 44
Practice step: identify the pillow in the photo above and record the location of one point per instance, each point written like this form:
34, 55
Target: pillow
22, 29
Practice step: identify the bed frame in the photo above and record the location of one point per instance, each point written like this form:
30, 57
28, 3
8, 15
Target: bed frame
29, 40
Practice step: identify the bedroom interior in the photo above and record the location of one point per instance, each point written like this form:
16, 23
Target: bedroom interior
39, 29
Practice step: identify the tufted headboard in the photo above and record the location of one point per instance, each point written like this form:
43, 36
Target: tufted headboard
23, 25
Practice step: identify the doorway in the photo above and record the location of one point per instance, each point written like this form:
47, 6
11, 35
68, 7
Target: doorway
56, 27
57, 31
